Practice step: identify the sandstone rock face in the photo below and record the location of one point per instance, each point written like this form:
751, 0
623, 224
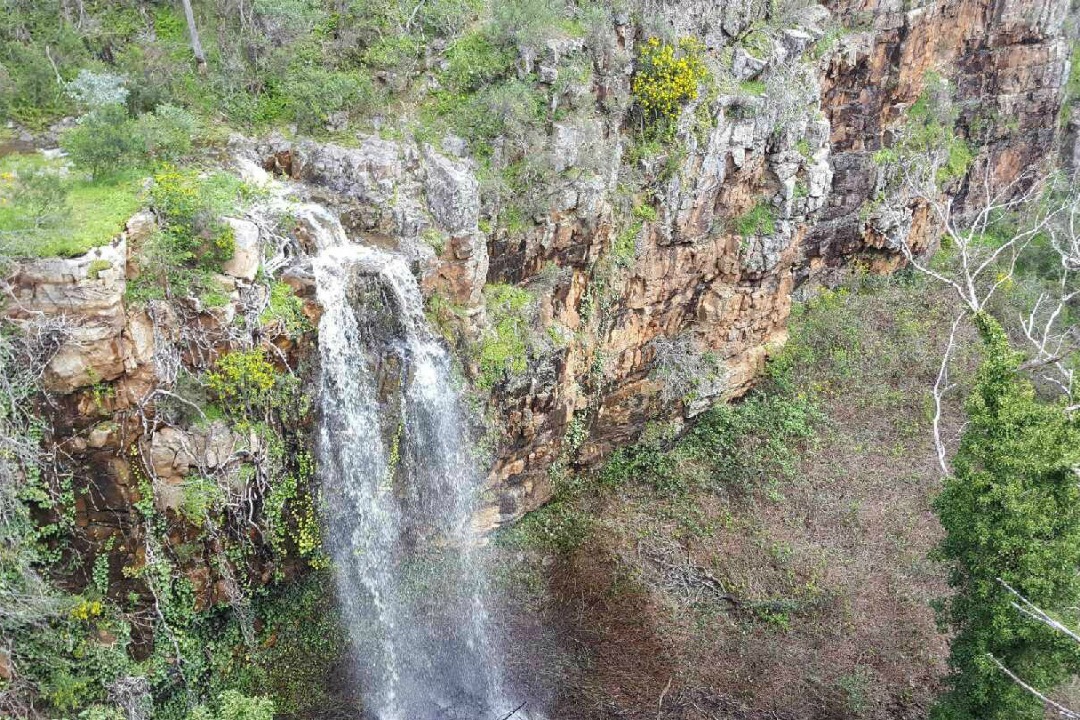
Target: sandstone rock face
398, 194
244, 263
695, 280
686, 283
1007, 60
83, 299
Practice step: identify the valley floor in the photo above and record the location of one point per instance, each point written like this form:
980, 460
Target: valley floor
771, 563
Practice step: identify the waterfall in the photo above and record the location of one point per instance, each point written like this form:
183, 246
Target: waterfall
398, 491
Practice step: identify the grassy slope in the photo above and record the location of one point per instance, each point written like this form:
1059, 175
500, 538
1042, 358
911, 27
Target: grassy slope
98, 212
801, 596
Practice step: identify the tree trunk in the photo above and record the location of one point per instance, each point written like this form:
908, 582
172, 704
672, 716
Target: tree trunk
196, 45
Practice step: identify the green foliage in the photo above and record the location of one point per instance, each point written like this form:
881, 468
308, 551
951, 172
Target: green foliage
1011, 513
300, 642
757, 440
758, 220
29, 92
243, 381
313, 94
103, 141
37, 196
43, 213
757, 44
753, 88
201, 497
166, 134
557, 527
527, 22
233, 705
192, 240
667, 78
624, 249
510, 112
504, 349
290, 512
738, 446
928, 130
477, 59
285, 310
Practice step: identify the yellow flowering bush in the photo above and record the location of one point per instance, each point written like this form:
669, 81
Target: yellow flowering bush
668, 77
86, 610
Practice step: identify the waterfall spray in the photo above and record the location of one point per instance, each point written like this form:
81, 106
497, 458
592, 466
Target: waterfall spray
399, 487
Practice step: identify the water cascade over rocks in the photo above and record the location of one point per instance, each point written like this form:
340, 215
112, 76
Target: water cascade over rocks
399, 484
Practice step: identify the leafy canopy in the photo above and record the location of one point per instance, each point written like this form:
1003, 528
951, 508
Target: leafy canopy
1011, 513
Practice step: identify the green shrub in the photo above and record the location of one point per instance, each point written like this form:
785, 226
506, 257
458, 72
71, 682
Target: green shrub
624, 249
242, 379
102, 142
192, 241
1011, 514
29, 90
476, 60
527, 22
166, 134
39, 195
286, 309
753, 88
93, 91
928, 130
190, 207
200, 497
313, 94
668, 77
512, 111
504, 349
758, 220
233, 705
445, 18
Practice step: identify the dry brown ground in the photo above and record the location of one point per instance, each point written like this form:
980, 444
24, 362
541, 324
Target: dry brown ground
809, 598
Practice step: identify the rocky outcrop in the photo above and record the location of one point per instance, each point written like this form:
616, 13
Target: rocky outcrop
1006, 59
649, 304
774, 193
82, 299
695, 281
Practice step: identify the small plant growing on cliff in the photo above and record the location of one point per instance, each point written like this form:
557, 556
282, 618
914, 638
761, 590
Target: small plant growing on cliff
505, 348
667, 78
928, 153
285, 311
758, 220
243, 381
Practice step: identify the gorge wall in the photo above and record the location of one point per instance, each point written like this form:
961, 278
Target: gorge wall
647, 298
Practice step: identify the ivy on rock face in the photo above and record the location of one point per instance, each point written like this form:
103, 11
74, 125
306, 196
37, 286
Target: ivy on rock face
1011, 512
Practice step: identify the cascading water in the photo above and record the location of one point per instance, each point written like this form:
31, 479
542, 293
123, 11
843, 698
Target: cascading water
399, 484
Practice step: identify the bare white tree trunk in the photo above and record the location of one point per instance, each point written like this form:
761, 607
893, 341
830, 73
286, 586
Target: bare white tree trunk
196, 44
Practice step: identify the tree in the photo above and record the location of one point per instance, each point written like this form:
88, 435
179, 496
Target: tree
193, 31
1011, 513
102, 141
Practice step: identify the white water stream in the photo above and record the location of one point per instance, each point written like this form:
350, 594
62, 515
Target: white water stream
399, 485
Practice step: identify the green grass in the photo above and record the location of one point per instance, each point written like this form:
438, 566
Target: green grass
98, 212
758, 220
754, 88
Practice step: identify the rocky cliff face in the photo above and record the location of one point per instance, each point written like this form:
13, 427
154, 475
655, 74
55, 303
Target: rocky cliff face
697, 285
647, 305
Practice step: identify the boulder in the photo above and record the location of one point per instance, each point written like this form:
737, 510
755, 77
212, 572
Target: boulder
247, 255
